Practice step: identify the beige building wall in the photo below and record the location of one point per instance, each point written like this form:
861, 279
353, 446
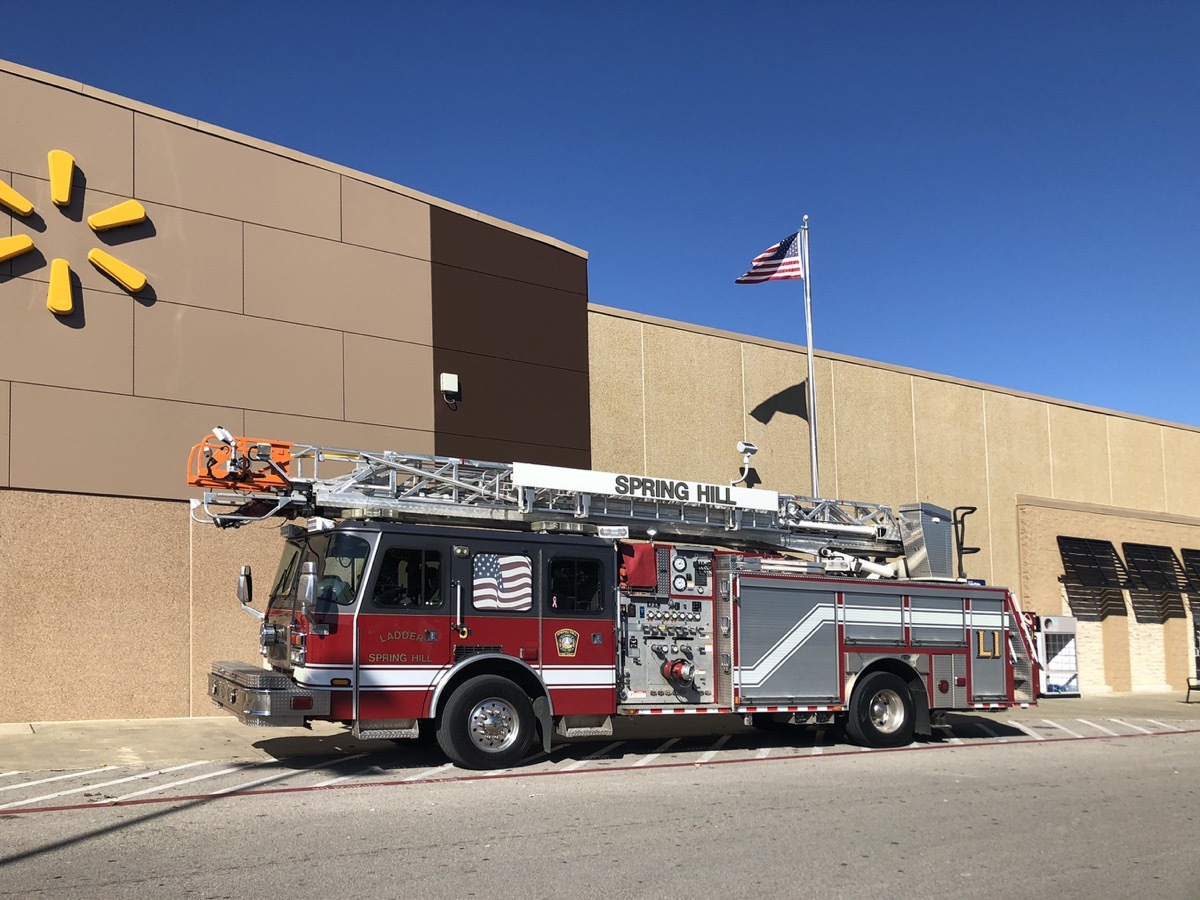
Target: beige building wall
672, 399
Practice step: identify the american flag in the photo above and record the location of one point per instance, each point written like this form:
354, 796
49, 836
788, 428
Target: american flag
502, 582
776, 263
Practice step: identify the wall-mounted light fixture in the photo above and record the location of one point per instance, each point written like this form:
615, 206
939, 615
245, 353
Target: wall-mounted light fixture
450, 388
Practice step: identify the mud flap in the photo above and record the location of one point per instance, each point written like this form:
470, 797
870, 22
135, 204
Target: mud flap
541, 709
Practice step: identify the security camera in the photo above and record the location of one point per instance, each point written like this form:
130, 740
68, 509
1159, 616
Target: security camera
746, 447
223, 436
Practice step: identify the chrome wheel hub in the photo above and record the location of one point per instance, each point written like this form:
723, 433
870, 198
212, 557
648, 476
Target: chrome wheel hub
886, 711
493, 725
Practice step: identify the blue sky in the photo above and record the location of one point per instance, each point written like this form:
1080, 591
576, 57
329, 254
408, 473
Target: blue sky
1002, 192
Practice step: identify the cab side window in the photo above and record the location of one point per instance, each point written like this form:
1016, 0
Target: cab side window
575, 586
408, 579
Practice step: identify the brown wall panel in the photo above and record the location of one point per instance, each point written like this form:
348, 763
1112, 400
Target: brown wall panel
182, 167
192, 258
205, 356
297, 278
482, 313
376, 217
389, 382
465, 243
490, 450
39, 118
91, 349
93, 623
353, 435
69, 440
6, 218
505, 400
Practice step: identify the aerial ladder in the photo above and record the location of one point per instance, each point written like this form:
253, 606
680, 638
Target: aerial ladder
249, 479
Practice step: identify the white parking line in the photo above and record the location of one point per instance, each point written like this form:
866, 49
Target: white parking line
375, 770
1063, 728
721, 742
1098, 727
763, 753
13, 772
13, 787
288, 774
991, 733
601, 752
1029, 731
1131, 725
240, 767
428, 772
950, 734
1163, 725
817, 748
650, 757
91, 787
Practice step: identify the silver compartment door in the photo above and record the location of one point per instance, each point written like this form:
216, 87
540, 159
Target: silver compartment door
787, 642
989, 649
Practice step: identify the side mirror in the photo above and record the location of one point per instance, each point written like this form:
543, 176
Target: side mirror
245, 587
306, 590
245, 593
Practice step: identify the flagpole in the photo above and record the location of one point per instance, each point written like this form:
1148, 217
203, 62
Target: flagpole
812, 391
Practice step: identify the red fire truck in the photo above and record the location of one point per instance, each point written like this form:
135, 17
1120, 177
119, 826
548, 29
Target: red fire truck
490, 603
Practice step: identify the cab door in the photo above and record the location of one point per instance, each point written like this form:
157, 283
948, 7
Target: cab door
493, 585
578, 601
403, 629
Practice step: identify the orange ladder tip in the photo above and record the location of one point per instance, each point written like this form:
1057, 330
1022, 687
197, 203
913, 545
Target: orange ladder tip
240, 464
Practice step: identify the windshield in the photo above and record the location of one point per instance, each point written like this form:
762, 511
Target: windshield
341, 561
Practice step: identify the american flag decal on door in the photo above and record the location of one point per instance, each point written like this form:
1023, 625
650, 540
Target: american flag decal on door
502, 582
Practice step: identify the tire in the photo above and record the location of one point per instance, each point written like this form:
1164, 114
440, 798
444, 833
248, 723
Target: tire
487, 723
881, 712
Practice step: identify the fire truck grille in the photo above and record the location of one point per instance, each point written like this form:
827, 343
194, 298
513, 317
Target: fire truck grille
462, 652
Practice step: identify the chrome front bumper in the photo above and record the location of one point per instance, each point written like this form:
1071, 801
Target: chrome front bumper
263, 698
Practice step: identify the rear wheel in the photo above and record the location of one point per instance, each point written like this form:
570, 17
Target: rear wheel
488, 723
881, 712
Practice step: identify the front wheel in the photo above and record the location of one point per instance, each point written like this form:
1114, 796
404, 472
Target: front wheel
487, 724
881, 712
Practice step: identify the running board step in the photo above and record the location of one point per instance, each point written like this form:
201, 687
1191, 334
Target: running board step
584, 726
385, 729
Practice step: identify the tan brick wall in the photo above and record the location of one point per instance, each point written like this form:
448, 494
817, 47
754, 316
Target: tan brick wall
1119, 653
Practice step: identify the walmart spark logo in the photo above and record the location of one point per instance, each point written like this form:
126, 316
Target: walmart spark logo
130, 212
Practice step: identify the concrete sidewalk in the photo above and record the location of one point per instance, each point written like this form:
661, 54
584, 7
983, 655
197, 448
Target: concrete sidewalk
43, 746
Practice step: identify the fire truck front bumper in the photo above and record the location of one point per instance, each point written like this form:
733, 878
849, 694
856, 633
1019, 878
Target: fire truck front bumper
263, 698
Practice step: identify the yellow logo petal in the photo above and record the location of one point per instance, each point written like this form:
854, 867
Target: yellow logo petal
62, 172
128, 213
13, 200
58, 301
15, 246
122, 273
